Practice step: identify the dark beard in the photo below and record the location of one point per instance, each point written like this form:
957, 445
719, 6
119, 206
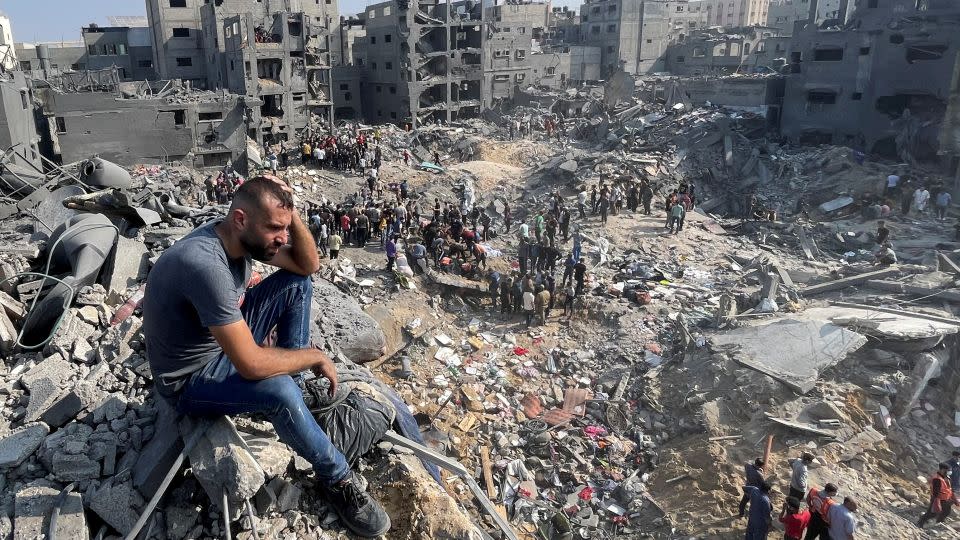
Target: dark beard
258, 252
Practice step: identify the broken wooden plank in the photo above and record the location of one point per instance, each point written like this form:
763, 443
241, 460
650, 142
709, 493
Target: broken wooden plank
487, 472
842, 283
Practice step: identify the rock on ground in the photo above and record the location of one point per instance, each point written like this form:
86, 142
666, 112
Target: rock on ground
342, 323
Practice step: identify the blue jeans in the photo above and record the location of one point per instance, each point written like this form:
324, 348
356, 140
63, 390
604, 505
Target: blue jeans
282, 301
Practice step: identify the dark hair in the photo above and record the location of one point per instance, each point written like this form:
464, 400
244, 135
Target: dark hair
765, 487
944, 466
807, 456
831, 488
793, 502
256, 190
759, 461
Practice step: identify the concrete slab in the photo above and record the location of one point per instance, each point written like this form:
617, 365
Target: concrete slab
17, 446
130, 263
791, 351
33, 506
160, 452
896, 331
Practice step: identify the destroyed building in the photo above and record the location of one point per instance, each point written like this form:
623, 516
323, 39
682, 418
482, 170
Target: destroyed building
18, 129
783, 14
125, 44
283, 60
880, 83
633, 35
735, 13
189, 37
8, 50
723, 52
156, 122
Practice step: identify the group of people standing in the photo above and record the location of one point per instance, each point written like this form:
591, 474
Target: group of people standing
825, 517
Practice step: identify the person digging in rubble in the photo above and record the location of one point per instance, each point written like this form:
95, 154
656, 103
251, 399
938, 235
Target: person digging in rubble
885, 255
204, 333
754, 477
819, 502
941, 497
759, 519
841, 519
798, 476
794, 519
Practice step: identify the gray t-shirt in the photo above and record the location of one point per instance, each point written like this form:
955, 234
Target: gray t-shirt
843, 523
193, 286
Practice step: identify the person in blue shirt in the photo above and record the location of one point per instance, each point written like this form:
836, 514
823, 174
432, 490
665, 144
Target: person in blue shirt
759, 520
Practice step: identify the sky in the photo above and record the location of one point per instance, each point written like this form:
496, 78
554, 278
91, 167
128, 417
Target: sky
56, 20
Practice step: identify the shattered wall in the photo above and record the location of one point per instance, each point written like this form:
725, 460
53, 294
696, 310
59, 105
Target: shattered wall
881, 85
783, 14
132, 131
714, 53
17, 125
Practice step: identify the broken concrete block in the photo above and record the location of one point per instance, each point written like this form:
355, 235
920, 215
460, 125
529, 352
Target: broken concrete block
8, 334
273, 456
159, 454
111, 407
73, 467
33, 506
344, 325
129, 265
926, 367
53, 368
43, 395
115, 503
289, 497
12, 307
82, 396
221, 461
17, 446
91, 295
179, 520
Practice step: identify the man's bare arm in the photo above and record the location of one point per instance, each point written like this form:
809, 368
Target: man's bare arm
255, 363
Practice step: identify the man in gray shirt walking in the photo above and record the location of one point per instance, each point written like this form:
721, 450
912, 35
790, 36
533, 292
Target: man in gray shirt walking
204, 334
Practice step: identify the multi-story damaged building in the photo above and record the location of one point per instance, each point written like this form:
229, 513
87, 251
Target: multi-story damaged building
143, 122
881, 82
783, 14
717, 51
17, 123
281, 59
8, 52
735, 13
633, 35
189, 38
421, 61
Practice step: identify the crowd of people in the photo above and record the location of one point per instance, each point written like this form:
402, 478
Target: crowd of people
826, 517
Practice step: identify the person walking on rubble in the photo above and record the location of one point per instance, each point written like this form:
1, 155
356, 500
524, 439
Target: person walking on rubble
581, 203
798, 477
943, 203
505, 286
529, 304
920, 199
569, 295
843, 523
604, 208
507, 217
954, 464
754, 477
391, 251
759, 519
204, 331
677, 214
646, 197
579, 275
819, 502
941, 497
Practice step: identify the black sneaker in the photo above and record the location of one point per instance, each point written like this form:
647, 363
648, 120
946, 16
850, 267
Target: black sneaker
357, 510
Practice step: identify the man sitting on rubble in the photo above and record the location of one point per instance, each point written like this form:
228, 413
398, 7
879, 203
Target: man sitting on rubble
204, 334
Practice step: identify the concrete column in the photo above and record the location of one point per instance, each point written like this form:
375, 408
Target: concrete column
842, 13
814, 4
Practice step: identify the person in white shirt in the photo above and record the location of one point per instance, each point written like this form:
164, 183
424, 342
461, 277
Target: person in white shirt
920, 199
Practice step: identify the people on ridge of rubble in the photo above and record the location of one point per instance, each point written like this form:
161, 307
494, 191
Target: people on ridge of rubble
798, 476
760, 517
753, 473
941, 497
819, 502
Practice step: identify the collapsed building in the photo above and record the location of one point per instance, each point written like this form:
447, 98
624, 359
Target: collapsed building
149, 122
880, 81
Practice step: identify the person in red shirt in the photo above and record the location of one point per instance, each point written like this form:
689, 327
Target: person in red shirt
794, 520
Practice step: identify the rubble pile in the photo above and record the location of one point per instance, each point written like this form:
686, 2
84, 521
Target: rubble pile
630, 416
